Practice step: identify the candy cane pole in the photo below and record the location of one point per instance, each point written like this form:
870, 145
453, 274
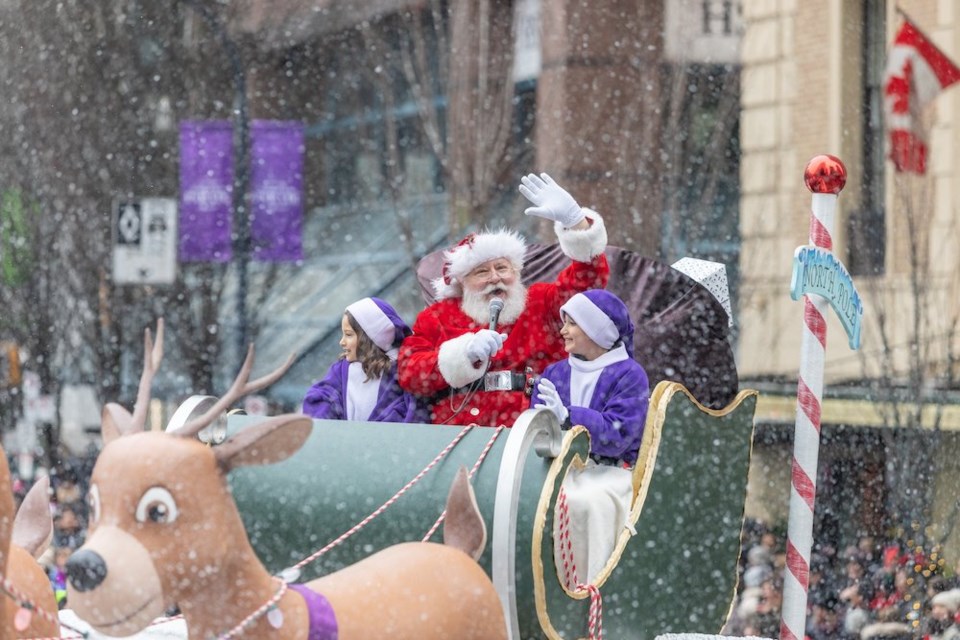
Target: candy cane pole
825, 177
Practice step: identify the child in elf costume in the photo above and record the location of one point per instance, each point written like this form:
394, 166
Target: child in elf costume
601, 387
362, 384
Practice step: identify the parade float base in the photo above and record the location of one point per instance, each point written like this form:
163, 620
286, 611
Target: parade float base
677, 572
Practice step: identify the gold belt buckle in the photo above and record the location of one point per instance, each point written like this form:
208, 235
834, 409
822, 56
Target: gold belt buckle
498, 381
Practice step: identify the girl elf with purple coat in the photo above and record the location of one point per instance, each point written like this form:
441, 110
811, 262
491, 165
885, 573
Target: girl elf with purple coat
601, 387
362, 384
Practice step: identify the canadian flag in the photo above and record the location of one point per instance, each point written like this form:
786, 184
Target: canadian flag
916, 72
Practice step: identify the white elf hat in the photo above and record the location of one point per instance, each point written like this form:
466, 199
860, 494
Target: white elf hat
602, 316
473, 251
381, 322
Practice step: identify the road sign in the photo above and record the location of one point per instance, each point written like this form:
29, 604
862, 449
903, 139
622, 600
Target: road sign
145, 241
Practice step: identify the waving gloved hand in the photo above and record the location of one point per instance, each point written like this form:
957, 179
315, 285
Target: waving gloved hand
484, 344
552, 201
550, 399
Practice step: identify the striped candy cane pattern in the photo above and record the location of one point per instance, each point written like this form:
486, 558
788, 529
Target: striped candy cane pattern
824, 176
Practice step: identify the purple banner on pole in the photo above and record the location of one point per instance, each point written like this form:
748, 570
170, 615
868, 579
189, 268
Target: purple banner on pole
276, 190
206, 191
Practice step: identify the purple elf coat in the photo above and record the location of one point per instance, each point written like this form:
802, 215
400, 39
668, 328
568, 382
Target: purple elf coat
327, 398
620, 397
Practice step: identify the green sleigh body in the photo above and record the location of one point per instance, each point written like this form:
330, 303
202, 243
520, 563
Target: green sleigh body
676, 573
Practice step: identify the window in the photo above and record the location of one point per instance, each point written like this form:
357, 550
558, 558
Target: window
702, 150
371, 119
866, 226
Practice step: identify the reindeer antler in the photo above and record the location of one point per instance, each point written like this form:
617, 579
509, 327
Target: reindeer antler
152, 357
239, 389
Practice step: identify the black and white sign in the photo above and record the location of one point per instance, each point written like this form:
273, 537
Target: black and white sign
145, 241
129, 223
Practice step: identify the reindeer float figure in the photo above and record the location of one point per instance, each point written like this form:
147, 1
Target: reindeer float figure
165, 531
29, 609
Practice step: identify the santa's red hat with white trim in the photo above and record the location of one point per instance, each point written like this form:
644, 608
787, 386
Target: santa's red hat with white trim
471, 252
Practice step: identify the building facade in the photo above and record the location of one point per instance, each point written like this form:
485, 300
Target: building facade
412, 106
813, 83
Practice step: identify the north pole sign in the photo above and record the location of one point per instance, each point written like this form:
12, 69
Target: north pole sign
817, 271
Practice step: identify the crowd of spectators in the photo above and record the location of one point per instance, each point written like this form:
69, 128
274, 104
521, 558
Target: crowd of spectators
69, 511
870, 590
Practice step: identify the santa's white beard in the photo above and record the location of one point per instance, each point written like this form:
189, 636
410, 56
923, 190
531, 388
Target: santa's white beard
476, 305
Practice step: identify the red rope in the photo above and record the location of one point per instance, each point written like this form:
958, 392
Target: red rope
473, 471
24, 602
261, 611
360, 525
570, 578
595, 614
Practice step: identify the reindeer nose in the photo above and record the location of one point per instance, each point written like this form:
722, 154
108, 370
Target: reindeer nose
86, 569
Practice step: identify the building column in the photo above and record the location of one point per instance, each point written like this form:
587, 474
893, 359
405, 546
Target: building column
598, 111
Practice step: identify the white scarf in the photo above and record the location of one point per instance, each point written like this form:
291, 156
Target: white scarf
361, 393
585, 373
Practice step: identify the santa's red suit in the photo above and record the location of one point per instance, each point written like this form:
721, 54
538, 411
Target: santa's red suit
433, 361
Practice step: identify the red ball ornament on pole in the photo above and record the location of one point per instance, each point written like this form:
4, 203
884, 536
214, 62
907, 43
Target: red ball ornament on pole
825, 174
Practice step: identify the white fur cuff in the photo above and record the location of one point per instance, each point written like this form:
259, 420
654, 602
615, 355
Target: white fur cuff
583, 245
455, 365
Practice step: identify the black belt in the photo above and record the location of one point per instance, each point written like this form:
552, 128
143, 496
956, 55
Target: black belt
608, 461
500, 381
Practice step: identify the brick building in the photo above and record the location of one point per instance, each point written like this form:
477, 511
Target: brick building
812, 84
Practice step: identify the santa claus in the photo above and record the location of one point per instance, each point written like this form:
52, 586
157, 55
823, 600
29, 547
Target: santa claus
477, 364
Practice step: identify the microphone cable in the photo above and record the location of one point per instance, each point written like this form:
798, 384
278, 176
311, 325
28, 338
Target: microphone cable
496, 306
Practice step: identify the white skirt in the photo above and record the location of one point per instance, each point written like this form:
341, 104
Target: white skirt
592, 510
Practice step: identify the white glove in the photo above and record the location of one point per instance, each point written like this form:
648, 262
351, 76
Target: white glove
484, 344
550, 399
552, 201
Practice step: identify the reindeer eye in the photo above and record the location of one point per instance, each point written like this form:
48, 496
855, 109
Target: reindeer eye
157, 505
93, 501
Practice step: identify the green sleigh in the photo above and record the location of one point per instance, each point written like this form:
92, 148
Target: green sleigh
676, 573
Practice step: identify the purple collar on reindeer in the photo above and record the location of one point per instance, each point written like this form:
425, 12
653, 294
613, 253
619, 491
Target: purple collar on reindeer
323, 622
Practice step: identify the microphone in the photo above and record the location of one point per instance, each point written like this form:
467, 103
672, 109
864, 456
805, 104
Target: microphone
496, 306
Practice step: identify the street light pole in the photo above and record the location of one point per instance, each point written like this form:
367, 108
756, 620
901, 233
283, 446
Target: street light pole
241, 170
